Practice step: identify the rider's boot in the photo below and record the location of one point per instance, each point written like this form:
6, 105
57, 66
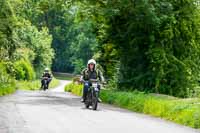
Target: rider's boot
82, 100
83, 97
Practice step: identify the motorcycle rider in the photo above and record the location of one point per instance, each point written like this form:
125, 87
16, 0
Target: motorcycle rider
90, 73
47, 75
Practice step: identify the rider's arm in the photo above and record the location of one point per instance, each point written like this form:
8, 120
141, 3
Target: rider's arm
82, 78
101, 78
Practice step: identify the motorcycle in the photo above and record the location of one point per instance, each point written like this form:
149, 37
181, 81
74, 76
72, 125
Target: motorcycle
92, 95
45, 85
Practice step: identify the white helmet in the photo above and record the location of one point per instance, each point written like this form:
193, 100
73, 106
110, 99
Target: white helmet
46, 69
92, 61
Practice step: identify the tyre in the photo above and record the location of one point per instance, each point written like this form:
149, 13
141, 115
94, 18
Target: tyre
95, 104
87, 105
87, 101
95, 101
45, 85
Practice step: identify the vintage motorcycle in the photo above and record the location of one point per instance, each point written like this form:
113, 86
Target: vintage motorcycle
45, 85
92, 95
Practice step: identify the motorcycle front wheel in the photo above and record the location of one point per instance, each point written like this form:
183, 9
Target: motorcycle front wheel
87, 101
95, 101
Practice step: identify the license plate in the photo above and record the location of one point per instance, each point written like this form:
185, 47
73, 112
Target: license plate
94, 85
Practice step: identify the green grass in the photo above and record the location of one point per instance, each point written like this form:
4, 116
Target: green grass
24, 85
35, 85
182, 111
7, 89
74, 88
63, 78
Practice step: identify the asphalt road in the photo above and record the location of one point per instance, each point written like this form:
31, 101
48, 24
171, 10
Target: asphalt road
55, 111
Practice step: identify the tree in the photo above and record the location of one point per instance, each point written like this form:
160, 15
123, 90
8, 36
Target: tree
72, 33
155, 41
35, 46
7, 24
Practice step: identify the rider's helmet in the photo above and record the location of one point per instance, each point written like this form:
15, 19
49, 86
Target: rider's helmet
46, 69
91, 61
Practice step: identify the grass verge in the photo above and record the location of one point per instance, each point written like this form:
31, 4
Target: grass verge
35, 85
182, 111
63, 76
74, 88
7, 89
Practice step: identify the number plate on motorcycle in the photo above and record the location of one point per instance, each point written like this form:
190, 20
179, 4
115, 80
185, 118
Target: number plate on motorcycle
94, 85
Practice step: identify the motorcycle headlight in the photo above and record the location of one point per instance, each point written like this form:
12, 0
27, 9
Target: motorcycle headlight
94, 85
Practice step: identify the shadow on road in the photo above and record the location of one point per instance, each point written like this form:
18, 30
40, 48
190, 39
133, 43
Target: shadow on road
48, 99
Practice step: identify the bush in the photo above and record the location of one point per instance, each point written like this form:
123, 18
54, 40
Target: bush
74, 88
7, 83
24, 70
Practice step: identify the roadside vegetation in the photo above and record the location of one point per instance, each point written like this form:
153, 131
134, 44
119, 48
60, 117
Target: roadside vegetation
35, 85
74, 88
63, 76
25, 50
149, 46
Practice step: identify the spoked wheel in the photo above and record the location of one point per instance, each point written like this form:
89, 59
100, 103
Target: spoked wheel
45, 87
87, 105
87, 101
95, 101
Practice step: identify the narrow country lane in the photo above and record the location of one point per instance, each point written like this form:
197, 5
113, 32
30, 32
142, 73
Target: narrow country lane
56, 111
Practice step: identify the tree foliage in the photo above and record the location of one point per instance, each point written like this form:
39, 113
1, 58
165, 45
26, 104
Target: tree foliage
23, 70
19, 39
149, 45
7, 24
157, 42
73, 35
35, 46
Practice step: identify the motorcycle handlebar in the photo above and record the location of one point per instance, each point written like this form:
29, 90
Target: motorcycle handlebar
45, 78
93, 80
